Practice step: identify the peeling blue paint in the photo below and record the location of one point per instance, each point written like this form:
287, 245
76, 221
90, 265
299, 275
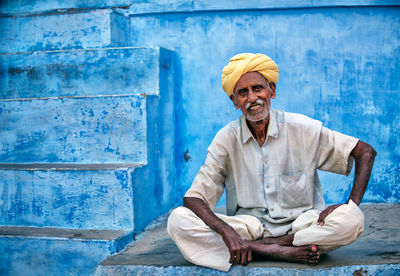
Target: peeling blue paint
116, 71
67, 199
32, 134
43, 256
93, 29
332, 68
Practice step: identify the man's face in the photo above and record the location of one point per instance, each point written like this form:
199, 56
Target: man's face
252, 94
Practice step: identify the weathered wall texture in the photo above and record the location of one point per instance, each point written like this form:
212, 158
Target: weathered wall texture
77, 128
95, 130
106, 71
68, 199
339, 63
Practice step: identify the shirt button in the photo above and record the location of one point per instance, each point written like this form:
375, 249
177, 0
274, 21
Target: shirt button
265, 161
272, 209
267, 186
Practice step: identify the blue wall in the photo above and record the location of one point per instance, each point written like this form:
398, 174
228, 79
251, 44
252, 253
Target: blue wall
339, 63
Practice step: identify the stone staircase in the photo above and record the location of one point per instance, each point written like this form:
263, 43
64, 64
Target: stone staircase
87, 151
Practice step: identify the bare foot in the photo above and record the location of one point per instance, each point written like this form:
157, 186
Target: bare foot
282, 240
307, 254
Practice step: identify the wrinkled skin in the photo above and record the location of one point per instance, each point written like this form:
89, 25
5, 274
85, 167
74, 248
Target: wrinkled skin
252, 95
364, 156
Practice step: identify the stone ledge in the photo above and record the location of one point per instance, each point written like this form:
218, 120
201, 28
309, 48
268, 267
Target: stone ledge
377, 250
145, 7
61, 233
51, 251
68, 167
73, 199
79, 130
357, 270
82, 72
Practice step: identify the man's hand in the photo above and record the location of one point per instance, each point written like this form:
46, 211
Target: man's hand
325, 213
364, 156
238, 248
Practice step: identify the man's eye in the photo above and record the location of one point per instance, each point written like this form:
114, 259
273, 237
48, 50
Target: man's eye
258, 87
242, 93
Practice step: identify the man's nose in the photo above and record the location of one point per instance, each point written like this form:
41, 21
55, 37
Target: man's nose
252, 96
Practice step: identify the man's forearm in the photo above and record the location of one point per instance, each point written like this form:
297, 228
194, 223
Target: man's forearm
240, 250
200, 208
364, 156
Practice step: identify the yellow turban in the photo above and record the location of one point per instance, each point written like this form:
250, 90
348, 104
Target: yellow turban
246, 62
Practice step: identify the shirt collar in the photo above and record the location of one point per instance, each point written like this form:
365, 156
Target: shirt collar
271, 131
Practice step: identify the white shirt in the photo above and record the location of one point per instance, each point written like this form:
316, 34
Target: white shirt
278, 181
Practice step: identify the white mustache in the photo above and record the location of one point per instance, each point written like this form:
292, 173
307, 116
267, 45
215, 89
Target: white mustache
257, 102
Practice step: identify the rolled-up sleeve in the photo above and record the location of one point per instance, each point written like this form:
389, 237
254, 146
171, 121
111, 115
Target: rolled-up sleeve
208, 184
334, 151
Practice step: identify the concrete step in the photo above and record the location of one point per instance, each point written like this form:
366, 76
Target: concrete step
83, 153
58, 29
79, 199
103, 71
78, 161
68, 162
55, 251
64, 6
73, 130
376, 252
53, 148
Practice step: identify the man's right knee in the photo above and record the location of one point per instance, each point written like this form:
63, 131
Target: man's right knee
174, 219
180, 220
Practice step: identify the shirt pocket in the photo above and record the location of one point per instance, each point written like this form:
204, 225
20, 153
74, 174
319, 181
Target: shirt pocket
294, 191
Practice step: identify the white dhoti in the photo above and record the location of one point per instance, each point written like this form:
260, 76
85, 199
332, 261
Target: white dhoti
202, 246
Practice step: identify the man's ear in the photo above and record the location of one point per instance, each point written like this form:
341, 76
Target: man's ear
273, 88
233, 100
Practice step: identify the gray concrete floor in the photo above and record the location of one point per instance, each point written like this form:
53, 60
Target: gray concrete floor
379, 244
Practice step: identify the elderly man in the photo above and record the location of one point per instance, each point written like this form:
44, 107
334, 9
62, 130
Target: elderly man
267, 161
